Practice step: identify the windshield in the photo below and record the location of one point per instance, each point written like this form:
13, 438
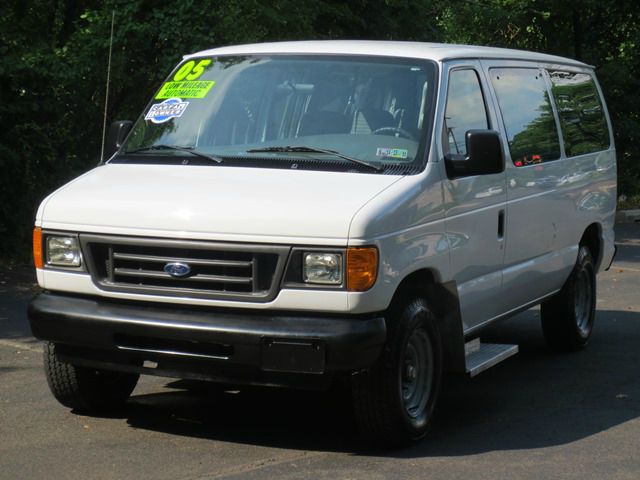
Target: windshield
261, 110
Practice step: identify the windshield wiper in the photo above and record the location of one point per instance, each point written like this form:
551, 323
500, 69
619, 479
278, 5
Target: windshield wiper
304, 149
177, 148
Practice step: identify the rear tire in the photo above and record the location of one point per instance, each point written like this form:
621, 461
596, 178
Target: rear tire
568, 316
395, 399
87, 390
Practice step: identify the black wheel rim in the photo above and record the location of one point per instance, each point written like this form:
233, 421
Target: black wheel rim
583, 302
417, 375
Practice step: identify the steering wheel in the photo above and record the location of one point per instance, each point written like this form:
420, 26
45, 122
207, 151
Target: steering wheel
395, 131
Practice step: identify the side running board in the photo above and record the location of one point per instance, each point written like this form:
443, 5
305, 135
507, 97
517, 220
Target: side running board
481, 356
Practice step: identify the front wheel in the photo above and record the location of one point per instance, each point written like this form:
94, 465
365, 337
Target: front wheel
87, 390
568, 316
395, 399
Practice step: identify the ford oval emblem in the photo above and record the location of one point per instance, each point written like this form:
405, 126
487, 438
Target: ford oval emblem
177, 269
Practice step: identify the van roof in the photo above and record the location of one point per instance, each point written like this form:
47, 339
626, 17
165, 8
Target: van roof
430, 51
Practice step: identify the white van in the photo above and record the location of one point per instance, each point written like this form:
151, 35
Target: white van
289, 214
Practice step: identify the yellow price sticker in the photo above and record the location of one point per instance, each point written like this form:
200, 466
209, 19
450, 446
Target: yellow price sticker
197, 89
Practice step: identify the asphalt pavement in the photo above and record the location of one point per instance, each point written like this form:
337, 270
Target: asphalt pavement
536, 415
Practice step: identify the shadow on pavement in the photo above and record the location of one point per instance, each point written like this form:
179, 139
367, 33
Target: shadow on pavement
536, 399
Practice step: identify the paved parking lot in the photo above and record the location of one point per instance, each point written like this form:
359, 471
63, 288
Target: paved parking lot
537, 415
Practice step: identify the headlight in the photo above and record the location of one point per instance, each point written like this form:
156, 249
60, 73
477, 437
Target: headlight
63, 251
323, 268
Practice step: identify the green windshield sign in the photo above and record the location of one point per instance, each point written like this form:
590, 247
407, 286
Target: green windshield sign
188, 89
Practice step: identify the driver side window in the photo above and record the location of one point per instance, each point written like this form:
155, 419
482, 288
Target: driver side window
465, 110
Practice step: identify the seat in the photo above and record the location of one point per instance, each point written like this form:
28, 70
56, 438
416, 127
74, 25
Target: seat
369, 120
322, 122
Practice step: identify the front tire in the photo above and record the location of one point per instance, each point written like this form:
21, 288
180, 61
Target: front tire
568, 316
394, 401
87, 390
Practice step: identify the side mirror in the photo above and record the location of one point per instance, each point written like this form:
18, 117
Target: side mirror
484, 155
116, 135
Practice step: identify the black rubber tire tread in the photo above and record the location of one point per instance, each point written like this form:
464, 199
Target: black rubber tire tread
377, 401
85, 389
558, 316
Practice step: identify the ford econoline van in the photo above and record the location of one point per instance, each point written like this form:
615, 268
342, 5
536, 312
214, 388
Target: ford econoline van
293, 214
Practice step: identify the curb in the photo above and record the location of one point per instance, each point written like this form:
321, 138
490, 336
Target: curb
628, 216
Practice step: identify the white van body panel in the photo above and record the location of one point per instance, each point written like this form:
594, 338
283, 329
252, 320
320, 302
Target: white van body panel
546, 216
208, 203
438, 52
549, 207
473, 206
406, 223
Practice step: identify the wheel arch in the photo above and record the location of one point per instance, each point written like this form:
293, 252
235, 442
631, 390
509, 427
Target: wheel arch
592, 238
442, 298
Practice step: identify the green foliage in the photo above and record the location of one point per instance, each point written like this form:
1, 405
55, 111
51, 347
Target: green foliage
53, 58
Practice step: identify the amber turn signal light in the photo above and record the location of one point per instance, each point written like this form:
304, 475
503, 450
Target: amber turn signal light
37, 247
362, 268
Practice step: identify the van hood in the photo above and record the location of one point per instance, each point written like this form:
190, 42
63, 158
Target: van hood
213, 203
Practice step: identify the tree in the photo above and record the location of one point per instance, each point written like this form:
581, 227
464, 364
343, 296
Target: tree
53, 58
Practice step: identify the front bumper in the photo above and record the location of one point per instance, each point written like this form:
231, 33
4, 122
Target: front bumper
222, 345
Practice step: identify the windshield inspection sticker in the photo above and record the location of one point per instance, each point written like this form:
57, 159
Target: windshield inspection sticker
392, 153
193, 89
165, 111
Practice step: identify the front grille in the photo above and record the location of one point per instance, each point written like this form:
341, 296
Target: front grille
216, 270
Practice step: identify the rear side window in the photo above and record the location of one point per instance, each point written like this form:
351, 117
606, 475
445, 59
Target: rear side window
465, 109
527, 115
582, 120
